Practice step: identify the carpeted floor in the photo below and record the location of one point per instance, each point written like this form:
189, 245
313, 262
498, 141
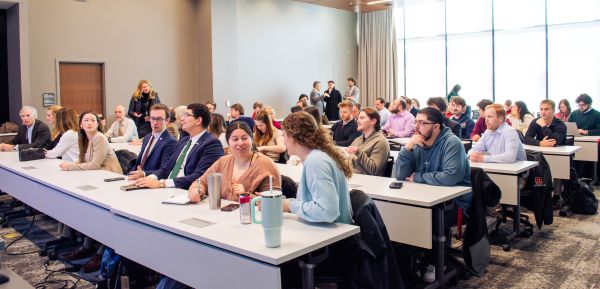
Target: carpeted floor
565, 254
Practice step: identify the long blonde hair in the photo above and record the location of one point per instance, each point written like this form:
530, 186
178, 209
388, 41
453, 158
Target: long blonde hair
137, 94
54, 132
303, 128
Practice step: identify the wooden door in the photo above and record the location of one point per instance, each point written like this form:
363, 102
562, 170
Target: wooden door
82, 86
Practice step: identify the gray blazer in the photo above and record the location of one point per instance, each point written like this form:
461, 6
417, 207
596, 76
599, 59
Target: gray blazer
316, 99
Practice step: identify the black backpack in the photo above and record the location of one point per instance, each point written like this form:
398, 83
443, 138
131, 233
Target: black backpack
583, 200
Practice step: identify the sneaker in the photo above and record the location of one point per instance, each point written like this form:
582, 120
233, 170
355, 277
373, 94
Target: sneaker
429, 276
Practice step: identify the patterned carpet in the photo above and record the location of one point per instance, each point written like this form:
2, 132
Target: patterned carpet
565, 254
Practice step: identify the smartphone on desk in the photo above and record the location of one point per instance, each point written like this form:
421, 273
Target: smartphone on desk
230, 207
130, 188
114, 179
396, 185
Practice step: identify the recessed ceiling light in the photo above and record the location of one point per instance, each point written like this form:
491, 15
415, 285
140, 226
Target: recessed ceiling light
378, 1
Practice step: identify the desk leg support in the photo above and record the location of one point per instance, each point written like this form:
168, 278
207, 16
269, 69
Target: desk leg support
516, 224
308, 275
439, 251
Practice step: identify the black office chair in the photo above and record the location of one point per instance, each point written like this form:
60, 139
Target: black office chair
283, 157
126, 159
367, 260
389, 167
289, 188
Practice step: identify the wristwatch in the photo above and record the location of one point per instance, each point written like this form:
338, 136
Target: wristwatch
161, 184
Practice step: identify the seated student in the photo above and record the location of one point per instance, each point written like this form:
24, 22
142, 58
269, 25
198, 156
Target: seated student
236, 113
244, 170
345, 130
546, 130
458, 107
67, 148
51, 119
193, 155
302, 101
520, 117
268, 139
157, 146
401, 123
217, 129
319, 117
323, 190
586, 118
440, 104
435, 156
211, 105
123, 129
411, 105
369, 152
95, 153
256, 107
180, 112
500, 143
33, 132
66, 124
356, 110
480, 127
564, 110
271, 113
383, 111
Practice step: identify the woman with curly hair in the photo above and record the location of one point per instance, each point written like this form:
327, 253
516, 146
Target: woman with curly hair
323, 190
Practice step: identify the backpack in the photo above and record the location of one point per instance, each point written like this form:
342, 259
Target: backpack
583, 200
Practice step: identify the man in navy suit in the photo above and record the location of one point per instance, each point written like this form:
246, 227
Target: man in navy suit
157, 147
193, 156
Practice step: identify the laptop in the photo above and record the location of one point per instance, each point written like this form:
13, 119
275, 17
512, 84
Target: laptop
572, 129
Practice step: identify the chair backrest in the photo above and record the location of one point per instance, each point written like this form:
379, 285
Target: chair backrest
289, 188
125, 158
389, 167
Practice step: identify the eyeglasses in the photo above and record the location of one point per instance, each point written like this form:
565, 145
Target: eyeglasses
189, 114
582, 104
420, 122
157, 119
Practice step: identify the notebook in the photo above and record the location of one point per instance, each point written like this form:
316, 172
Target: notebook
572, 129
182, 199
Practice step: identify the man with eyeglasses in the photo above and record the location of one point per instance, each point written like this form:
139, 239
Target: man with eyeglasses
192, 157
435, 156
157, 147
123, 129
586, 118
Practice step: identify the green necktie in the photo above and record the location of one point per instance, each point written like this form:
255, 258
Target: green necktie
179, 162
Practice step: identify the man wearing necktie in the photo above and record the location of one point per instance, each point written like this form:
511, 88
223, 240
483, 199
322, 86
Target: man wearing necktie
193, 156
157, 147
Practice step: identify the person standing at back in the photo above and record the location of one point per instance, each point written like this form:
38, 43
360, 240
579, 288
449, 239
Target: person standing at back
316, 99
353, 92
333, 97
142, 99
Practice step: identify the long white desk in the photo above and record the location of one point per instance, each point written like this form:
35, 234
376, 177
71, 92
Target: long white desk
558, 158
138, 227
413, 215
588, 152
506, 177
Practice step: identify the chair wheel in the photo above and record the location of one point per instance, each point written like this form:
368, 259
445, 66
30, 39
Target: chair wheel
526, 233
506, 247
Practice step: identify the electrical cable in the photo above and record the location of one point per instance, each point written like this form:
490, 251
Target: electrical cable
19, 238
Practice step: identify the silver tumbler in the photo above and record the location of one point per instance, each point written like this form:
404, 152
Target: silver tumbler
214, 191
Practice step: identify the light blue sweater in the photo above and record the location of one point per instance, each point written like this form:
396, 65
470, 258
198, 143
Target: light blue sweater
323, 191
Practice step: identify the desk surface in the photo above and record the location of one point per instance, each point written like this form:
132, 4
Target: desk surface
590, 138
8, 134
145, 206
16, 281
126, 146
404, 140
512, 169
560, 150
378, 188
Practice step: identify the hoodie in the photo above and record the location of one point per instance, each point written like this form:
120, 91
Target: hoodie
443, 164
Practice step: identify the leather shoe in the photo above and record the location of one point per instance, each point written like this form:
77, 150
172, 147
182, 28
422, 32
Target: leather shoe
80, 253
93, 264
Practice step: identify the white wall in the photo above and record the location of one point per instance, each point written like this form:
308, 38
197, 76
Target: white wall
272, 51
